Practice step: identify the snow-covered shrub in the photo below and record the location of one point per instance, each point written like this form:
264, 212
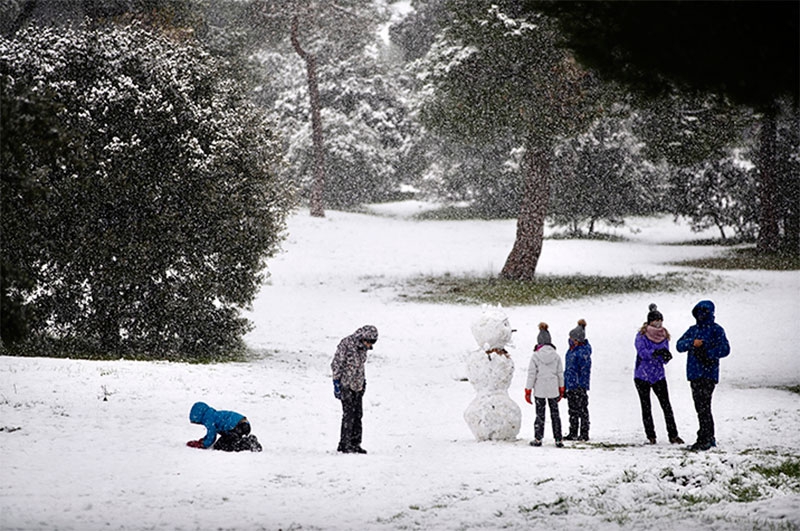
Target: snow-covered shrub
139, 199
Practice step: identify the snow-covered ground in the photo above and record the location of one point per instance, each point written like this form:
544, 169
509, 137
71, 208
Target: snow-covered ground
90, 445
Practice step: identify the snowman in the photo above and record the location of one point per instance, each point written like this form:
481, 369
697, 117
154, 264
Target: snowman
492, 415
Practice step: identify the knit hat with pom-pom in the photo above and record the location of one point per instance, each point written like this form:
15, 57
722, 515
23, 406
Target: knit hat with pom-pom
579, 332
654, 314
544, 336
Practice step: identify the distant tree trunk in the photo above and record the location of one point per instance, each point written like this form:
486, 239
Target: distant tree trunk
768, 230
721, 228
521, 263
791, 220
789, 187
317, 205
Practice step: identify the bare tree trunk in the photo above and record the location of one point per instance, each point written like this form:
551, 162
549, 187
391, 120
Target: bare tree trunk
521, 263
789, 189
768, 230
317, 205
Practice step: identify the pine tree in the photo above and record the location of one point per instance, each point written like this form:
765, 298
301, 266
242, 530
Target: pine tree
604, 177
498, 75
321, 34
140, 224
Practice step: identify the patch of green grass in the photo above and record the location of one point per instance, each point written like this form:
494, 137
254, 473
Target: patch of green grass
620, 518
543, 289
758, 451
747, 258
727, 242
594, 236
392, 519
743, 493
694, 499
560, 506
789, 468
456, 213
609, 446
73, 349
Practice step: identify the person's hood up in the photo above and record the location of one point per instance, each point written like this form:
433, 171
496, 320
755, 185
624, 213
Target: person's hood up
704, 312
368, 333
198, 412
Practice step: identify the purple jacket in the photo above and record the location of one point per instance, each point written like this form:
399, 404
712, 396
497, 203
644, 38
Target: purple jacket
648, 367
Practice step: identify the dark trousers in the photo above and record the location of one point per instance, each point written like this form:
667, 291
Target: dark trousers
662, 393
232, 440
702, 390
352, 411
555, 418
578, 409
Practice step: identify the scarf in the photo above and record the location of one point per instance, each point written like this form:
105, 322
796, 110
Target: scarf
656, 335
501, 351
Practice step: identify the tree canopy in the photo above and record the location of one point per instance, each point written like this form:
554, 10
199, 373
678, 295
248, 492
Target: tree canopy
748, 50
139, 196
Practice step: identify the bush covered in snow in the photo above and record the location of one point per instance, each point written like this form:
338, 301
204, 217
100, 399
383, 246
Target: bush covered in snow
139, 197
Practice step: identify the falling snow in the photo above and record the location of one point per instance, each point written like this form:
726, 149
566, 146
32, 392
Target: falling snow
101, 444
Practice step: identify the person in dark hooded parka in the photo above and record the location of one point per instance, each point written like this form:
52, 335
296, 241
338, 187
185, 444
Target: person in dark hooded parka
349, 384
706, 344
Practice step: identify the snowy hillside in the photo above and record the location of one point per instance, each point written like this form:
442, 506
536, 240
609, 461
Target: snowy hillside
88, 445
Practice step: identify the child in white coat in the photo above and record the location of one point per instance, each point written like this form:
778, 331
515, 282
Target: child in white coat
546, 382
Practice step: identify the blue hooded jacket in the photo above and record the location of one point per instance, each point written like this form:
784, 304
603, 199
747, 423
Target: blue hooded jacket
578, 365
214, 421
703, 362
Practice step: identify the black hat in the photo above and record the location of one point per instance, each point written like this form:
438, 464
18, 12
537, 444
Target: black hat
654, 314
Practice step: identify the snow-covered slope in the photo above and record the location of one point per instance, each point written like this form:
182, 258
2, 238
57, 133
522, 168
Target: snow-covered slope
88, 445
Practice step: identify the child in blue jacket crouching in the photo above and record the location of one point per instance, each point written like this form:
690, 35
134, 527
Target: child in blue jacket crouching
233, 429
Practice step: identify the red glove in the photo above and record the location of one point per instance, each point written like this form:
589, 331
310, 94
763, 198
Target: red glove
195, 444
561, 391
528, 396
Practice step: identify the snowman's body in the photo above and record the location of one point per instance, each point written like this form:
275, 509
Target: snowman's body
492, 415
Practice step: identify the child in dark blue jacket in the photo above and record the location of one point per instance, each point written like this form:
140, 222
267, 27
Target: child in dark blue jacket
577, 373
233, 429
705, 343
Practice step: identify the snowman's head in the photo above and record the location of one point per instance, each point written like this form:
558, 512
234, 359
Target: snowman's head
491, 329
